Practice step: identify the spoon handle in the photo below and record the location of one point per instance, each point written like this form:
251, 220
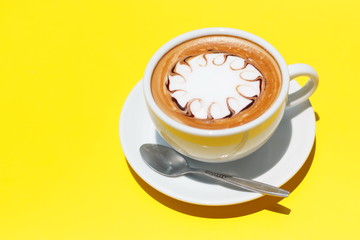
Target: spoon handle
251, 185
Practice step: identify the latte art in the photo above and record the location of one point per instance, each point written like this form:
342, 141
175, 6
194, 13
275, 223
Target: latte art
215, 82
214, 85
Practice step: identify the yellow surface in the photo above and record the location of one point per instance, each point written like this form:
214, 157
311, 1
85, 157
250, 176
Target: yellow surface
66, 68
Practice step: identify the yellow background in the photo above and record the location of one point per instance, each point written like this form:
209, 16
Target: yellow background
66, 68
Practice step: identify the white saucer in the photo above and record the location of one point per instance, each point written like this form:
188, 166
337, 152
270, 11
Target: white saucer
275, 163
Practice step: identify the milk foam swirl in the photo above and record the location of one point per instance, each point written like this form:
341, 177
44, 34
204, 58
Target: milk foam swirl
214, 85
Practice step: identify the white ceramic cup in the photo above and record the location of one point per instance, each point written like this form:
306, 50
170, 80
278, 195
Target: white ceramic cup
232, 143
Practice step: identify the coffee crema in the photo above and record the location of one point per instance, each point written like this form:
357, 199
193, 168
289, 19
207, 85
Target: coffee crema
216, 82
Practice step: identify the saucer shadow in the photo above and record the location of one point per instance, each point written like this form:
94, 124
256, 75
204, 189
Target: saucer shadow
249, 167
230, 211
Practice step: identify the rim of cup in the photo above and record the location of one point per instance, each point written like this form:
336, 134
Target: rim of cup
207, 32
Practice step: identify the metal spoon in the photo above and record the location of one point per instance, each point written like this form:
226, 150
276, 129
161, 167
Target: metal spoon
168, 162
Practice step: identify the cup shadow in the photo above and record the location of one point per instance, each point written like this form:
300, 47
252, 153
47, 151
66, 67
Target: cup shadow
249, 167
269, 203
255, 164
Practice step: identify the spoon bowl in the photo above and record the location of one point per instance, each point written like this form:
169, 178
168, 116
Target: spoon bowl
164, 160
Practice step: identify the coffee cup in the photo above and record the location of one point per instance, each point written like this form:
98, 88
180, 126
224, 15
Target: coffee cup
218, 94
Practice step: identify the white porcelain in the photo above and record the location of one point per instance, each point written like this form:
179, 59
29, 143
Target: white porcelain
274, 163
232, 143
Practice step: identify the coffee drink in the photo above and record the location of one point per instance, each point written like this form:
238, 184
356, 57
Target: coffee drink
216, 82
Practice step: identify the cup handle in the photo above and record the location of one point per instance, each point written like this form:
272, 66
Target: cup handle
301, 95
